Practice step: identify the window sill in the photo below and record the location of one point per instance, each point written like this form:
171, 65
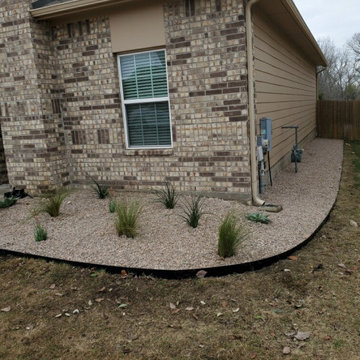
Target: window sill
149, 152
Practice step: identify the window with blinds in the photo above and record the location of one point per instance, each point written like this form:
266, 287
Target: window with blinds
145, 99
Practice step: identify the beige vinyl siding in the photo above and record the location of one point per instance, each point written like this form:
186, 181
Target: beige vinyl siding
285, 85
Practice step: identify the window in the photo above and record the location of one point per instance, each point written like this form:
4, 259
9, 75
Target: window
189, 8
145, 99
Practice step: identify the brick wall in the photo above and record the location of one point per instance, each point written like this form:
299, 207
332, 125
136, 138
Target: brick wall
30, 128
75, 115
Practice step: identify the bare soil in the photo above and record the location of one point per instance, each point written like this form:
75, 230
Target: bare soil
252, 315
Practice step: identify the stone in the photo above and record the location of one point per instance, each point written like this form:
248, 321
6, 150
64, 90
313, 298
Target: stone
286, 350
354, 223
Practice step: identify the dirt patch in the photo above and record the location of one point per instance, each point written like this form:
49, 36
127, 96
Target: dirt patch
85, 230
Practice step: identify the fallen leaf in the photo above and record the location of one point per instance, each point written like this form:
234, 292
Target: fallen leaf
318, 267
287, 270
327, 337
124, 274
219, 314
195, 317
74, 288
99, 300
172, 306
6, 309
302, 335
67, 314
93, 274
76, 311
122, 306
236, 310
59, 294
176, 311
52, 286
293, 258
342, 266
290, 334
224, 304
189, 308
58, 315
253, 355
90, 302
102, 289
202, 302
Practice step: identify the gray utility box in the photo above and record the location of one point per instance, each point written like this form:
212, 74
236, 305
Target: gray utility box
266, 132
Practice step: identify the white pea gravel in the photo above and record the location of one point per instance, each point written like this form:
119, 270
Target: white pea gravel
85, 230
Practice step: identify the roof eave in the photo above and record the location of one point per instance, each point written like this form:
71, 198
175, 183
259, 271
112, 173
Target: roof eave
71, 7
321, 60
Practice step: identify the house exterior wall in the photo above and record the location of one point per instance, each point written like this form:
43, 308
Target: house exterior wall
62, 112
285, 85
32, 133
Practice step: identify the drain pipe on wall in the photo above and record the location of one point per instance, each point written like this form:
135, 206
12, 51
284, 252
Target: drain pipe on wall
252, 119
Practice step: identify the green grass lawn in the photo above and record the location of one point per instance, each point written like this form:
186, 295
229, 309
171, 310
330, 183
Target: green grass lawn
241, 316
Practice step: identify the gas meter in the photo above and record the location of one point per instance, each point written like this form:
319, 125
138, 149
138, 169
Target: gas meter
266, 133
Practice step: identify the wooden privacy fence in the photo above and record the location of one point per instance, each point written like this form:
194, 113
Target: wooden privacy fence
338, 119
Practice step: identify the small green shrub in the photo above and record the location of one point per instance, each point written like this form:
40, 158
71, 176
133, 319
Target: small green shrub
167, 196
258, 217
231, 235
112, 205
40, 233
193, 211
127, 218
102, 191
7, 202
53, 203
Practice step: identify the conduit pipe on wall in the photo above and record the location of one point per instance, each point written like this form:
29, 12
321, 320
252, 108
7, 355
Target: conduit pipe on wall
252, 119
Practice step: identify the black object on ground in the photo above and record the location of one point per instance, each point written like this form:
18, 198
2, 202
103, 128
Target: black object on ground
16, 194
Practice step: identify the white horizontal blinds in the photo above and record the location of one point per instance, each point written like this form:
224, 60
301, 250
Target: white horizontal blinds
148, 124
145, 94
144, 75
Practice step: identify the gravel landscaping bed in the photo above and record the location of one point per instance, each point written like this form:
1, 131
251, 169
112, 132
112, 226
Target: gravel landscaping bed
85, 231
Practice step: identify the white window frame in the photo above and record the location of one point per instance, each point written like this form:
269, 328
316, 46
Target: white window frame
143, 101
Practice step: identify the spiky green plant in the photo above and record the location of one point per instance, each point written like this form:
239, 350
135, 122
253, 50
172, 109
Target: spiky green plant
258, 217
231, 235
167, 196
102, 191
127, 218
53, 202
112, 205
7, 202
40, 233
193, 210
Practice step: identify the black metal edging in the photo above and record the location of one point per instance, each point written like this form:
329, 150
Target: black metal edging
188, 273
